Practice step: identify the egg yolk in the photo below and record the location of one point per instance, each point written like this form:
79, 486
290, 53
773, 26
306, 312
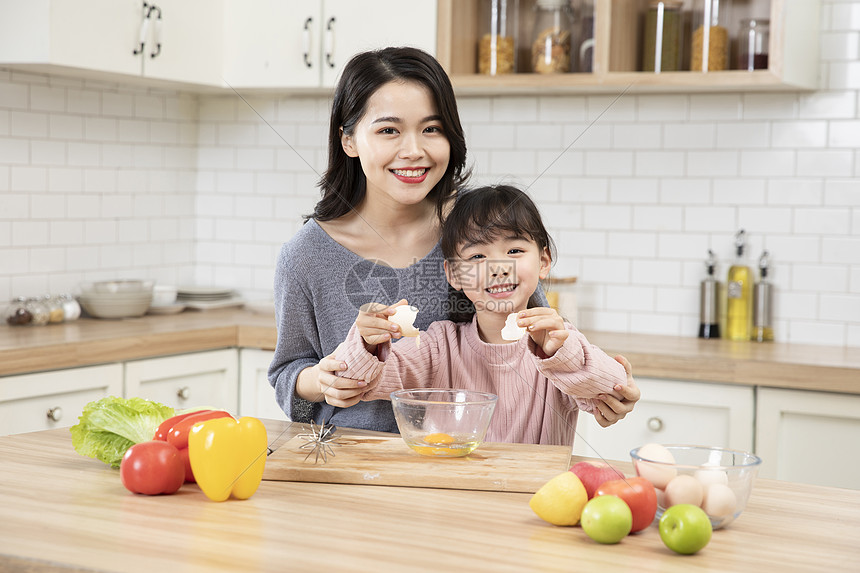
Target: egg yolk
438, 438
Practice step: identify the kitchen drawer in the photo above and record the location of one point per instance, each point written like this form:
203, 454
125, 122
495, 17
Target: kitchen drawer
808, 437
674, 412
256, 395
46, 400
187, 380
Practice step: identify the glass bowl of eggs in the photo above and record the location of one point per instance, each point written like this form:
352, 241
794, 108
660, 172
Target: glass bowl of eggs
444, 423
719, 480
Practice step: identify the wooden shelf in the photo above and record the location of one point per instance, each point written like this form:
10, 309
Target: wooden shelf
793, 58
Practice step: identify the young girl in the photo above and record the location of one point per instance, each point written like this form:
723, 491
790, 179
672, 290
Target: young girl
496, 251
396, 156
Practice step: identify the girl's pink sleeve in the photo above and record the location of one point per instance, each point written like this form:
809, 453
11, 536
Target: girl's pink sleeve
581, 370
360, 364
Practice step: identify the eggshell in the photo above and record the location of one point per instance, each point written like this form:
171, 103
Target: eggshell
404, 315
511, 331
719, 500
658, 474
684, 489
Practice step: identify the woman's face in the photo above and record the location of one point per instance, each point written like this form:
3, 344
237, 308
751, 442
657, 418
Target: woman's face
400, 143
499, 276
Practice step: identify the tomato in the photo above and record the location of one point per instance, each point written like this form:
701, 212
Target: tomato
152, 468
639, 494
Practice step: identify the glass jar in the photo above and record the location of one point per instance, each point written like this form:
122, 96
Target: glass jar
753, 40
496, 48
661, 45
583, 37
17, 313
551, 41
56, 313
710, 44
38, 311
71, 307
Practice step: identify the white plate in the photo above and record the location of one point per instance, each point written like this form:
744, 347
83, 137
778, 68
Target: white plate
209, 305
166, 308
203, 291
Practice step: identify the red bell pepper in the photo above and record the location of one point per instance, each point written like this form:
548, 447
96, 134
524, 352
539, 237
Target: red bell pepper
175, 432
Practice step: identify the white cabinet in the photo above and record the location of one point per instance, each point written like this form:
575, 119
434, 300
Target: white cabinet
256, 395
276, 44
104, 36
674, 412
808, 437
187, 380
46, 400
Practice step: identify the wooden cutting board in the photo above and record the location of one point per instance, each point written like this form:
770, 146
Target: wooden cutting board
388, 460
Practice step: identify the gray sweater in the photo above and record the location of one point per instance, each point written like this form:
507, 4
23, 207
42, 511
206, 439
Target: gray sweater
319, 287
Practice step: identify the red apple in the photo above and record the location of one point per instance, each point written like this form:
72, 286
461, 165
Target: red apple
594, 474
640, 495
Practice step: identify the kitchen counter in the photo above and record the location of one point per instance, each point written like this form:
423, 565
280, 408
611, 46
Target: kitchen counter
62, 511
90, 341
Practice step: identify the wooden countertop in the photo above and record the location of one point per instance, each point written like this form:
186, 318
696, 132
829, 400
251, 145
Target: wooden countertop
90, 341
61, 511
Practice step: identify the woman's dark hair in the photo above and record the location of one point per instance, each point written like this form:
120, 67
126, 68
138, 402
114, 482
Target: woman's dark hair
343, 184
482, 215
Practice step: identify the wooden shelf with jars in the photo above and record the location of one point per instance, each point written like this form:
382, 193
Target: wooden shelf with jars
618, 29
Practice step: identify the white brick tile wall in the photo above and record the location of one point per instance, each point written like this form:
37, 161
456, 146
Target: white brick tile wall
99, 180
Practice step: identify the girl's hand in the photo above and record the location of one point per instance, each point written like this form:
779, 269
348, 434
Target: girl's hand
545, 327
373, 325
610, 409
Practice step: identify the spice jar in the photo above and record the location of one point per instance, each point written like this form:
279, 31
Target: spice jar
551, 41
71, 307
710, 45
39, 311
496, 49
55, 308
753, 39
661, 45
17, 313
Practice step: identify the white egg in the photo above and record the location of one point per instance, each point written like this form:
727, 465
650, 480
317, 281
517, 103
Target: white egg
659, 474
404, 316
708, 477
684, 489
719, 500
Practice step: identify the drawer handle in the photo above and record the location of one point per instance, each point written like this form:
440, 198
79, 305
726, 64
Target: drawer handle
55, 414
184, 393
655, 424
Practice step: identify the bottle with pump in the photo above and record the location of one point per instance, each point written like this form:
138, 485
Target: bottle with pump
709, 326
739, 288
762, 315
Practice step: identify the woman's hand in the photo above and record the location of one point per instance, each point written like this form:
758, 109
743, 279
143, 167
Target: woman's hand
373, 325
320, 383
610, 409
545, 326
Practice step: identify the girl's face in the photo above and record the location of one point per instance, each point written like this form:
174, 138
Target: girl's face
501, 275
400, 144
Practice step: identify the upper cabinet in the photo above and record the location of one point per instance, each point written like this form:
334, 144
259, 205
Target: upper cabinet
609, 39
173, 40
276, 44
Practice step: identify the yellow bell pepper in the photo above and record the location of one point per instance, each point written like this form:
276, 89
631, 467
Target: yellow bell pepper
228, 456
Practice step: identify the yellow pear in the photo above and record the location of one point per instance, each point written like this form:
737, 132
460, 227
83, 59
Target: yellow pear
560, 500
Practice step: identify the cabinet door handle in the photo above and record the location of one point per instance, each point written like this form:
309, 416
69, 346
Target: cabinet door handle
655, 424
144, 28
184, 393
55, 414
329, 42
306, 42
157, 33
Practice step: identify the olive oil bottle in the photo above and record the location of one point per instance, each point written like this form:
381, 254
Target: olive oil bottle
739, 289
762, 315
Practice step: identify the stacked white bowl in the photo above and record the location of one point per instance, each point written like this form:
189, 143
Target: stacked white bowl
122, 298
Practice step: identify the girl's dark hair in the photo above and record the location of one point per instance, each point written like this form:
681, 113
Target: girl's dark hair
481, 216
343, 184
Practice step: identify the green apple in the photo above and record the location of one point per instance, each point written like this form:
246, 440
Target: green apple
685, 528
607, 519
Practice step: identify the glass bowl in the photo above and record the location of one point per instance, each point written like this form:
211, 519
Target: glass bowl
441, 422
726, 478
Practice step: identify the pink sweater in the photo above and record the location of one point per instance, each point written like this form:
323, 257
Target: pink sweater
538, 398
